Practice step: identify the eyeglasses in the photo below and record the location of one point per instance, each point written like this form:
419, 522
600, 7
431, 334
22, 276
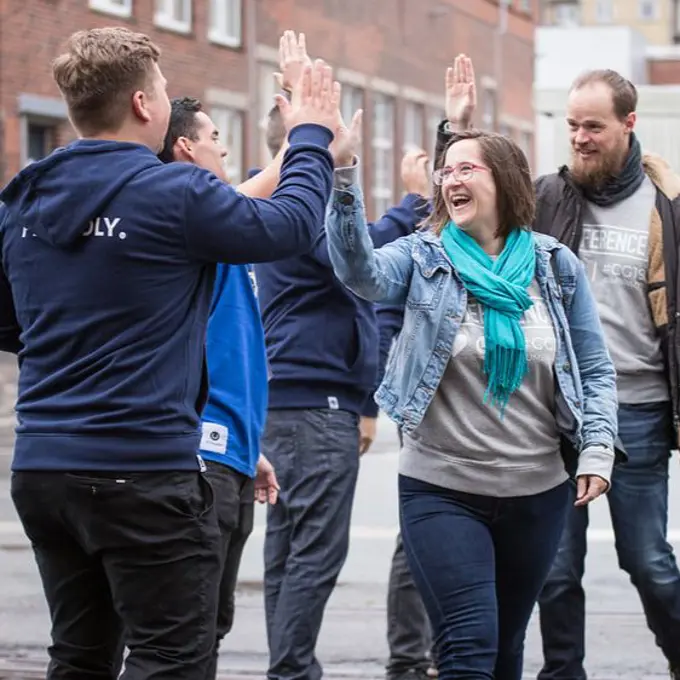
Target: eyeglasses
463, 172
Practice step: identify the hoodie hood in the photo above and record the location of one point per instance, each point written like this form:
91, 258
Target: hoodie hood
57, 196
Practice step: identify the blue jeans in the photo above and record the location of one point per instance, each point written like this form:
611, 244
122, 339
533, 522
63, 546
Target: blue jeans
638, 504
479, 564
316, 456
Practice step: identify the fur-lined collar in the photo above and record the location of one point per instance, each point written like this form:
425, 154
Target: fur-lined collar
658, 170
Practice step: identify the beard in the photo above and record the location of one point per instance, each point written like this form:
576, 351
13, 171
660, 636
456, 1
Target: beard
595, 171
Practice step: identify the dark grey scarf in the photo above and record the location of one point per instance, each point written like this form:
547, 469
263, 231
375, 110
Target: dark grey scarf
619, 187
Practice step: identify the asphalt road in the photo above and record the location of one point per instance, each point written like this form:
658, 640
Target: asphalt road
352, 643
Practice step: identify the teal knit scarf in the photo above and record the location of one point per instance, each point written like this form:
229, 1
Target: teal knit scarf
501, 287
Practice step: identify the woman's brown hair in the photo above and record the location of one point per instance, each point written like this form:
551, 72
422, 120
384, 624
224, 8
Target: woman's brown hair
515, 194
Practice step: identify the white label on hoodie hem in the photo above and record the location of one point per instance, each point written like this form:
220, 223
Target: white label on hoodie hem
333, 403
214, 438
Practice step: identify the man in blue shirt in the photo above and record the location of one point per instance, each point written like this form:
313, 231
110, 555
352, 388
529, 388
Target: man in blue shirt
234, 415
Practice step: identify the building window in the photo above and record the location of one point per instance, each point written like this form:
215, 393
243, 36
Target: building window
229, 122
118, 8
41, 140
225, 22
505, 130
648, 10
566, 14
489, 109
353, 100
525, 5
175, 15
383, 154
525, 139
414, 122
604, 11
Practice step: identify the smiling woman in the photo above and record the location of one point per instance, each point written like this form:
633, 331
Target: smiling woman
484, 186
495, 365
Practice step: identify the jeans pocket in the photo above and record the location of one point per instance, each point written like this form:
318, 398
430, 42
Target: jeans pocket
197, 497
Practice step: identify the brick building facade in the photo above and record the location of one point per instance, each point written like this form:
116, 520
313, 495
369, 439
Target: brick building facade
390, 56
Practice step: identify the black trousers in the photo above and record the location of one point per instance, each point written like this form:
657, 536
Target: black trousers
235, 503
126, 559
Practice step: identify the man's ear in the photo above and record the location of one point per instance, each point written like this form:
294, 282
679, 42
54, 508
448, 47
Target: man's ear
183, 149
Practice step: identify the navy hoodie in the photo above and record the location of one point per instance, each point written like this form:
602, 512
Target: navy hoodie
322, 340
105, 288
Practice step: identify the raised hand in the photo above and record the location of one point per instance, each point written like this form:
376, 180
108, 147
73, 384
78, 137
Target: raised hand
415, 173
461, 92
293, 58
315, 99
347, 142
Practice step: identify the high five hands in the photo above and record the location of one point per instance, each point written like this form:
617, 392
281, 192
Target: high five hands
314, 95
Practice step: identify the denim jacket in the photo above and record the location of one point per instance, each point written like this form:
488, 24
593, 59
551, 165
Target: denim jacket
416, 271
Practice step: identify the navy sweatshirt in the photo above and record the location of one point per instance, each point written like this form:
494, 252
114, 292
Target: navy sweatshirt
322, 340
108, 264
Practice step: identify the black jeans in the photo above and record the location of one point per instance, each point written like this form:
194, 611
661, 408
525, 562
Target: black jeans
127, 558
408, 629
316, 456
235, 503
638, 504
479, 564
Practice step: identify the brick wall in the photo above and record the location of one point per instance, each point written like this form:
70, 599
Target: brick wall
663, 71
398, 47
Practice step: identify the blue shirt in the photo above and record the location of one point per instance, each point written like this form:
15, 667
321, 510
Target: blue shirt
237, 365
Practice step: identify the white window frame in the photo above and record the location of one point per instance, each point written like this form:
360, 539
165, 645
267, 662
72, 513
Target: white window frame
566, 14
489, 113
352, 99
219, 31
604, 11
48, 124
413, 129
524, 141
230, 123
505, 130
164, 18
383, 144
644, 5
116, 9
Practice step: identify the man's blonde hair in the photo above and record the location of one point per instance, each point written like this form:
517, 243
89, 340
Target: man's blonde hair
98, 74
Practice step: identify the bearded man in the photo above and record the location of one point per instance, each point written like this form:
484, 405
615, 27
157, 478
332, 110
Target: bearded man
618, 209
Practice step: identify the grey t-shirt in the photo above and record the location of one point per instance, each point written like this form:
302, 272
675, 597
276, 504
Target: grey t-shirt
614, 250
462, 443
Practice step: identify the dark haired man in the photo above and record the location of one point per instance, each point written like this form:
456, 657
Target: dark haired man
322, 344
618, 209
234, 415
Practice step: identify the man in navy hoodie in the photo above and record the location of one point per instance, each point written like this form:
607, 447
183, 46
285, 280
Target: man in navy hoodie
322, 344
108, 265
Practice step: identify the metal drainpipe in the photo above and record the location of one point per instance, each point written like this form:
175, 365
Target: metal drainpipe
253, 86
